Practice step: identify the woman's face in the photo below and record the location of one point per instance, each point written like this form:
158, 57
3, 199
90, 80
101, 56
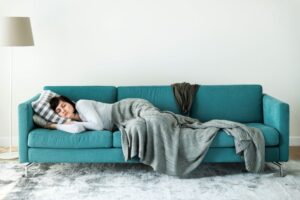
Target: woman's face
65, 109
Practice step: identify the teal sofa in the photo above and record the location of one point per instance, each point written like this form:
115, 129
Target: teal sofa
242, 103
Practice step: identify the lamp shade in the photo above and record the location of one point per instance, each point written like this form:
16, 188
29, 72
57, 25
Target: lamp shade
16, 31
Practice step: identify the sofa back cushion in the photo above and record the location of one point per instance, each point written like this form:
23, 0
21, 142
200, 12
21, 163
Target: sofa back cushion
241, 103
106, 94
160, 96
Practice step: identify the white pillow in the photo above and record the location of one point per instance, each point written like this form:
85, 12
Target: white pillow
43, 109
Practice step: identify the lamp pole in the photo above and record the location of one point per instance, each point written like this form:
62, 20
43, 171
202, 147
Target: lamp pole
13, 155
16, 32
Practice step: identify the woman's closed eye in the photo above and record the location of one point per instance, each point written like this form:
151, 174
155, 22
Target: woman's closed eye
58, 111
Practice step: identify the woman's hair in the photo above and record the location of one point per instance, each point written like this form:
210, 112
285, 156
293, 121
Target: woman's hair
55, 101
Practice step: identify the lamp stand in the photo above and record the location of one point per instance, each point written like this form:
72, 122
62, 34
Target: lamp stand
10, 155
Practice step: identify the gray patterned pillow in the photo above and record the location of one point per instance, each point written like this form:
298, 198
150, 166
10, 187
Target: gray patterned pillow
43, 109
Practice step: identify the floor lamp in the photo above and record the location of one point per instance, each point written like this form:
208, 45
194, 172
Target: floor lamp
16, 31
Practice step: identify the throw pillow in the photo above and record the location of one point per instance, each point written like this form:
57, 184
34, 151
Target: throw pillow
38, 120
43, 109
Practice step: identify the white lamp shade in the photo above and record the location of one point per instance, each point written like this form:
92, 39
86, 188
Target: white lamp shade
16, 31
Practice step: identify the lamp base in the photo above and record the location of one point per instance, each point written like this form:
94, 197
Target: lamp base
9, 155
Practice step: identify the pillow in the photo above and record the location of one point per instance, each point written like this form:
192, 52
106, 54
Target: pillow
38, 120
43, 109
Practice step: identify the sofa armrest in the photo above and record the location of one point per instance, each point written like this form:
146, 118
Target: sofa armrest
276, 114
25, 113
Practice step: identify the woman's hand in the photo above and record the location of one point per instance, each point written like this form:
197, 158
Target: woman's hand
50, 125
69, 122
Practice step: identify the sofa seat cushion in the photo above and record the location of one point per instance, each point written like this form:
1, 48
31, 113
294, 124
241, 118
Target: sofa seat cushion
46, 138
222, 139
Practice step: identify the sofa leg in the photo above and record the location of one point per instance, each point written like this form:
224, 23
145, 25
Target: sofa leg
26, 166
280, 165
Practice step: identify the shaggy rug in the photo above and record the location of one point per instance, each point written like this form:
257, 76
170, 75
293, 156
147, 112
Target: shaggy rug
139, 181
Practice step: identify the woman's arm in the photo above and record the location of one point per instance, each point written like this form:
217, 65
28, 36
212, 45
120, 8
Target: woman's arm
92, 119
68, 127
90, 125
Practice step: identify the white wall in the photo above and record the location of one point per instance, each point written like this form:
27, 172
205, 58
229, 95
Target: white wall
155, 42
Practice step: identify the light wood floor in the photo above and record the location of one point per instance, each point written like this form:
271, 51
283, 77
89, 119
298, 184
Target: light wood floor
294, 152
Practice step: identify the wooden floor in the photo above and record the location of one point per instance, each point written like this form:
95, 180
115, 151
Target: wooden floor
294, 152
6, 149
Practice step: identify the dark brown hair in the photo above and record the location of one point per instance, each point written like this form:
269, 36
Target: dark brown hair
55, 101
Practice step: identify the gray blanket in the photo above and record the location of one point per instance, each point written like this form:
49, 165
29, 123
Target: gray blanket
175, 144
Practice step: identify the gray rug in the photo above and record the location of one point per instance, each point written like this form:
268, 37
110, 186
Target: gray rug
138, 181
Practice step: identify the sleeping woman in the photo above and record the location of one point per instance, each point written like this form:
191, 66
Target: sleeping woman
84, 115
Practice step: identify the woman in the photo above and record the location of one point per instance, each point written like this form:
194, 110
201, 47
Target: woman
84, 114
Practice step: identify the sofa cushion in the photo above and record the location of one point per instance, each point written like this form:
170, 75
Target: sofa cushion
46, 138
222, 139
241, 103
160, 96
106, 94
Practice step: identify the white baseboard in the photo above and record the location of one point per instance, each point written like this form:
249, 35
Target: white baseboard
295, 141
5, 141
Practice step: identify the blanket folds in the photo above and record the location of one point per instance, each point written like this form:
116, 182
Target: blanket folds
175, 144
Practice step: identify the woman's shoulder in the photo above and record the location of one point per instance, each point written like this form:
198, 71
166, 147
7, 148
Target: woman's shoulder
83, 102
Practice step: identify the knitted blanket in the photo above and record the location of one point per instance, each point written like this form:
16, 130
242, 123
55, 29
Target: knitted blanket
175, 144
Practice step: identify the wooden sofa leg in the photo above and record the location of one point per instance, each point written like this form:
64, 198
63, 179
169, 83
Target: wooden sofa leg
26, 166
280, 165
